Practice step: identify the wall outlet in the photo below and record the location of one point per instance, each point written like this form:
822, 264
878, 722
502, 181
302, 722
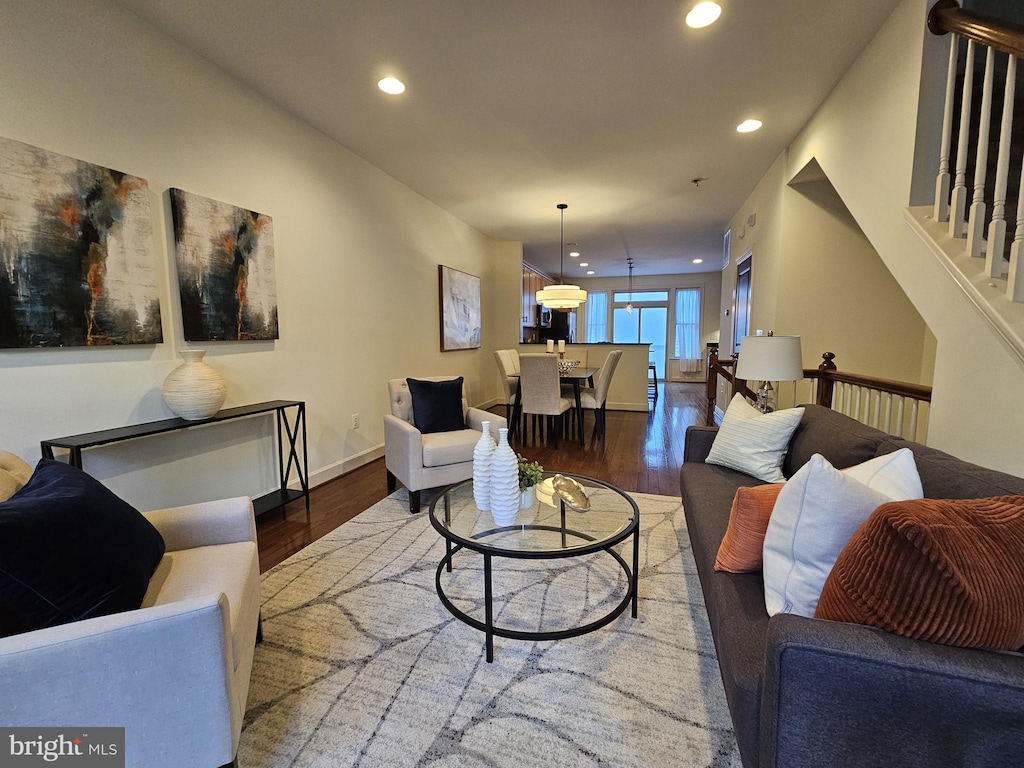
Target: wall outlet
355, 421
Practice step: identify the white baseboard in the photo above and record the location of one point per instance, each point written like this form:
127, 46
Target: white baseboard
339, 468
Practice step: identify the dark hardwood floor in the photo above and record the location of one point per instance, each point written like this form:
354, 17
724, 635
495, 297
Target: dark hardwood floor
640, 452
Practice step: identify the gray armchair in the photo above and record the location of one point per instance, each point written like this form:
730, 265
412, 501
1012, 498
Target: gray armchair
429, 460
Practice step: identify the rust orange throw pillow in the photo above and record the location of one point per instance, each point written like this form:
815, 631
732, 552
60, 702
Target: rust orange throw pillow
743, 543
946, 571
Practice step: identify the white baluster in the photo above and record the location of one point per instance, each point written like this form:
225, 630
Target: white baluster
994, 262
856, 403
976, 225
913, 420
878, 408
888, 413
899, 417
958, 206
1015, 280
942, 180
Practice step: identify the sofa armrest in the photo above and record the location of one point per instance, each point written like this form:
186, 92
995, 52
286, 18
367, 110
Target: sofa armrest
163, 673
403, 447
224, 521
840, 694
475, 418
697, 443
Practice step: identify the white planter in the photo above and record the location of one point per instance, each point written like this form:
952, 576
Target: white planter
194, 390
528, 497
504, 482
482, 454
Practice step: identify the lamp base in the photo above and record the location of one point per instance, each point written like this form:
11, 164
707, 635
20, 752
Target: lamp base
765, 397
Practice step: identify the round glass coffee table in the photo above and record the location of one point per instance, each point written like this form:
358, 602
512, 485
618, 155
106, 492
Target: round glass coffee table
547, 530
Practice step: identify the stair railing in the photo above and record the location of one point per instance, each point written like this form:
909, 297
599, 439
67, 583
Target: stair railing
951, 190
896, 407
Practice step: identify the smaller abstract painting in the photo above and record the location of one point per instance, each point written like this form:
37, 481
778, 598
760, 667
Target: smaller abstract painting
460, 309
77, 264
225, 258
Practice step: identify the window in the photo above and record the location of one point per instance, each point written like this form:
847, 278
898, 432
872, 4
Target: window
597, 317
687, 337
641, 296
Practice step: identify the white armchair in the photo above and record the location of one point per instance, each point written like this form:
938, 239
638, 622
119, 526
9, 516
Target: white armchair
175, 672
429, 460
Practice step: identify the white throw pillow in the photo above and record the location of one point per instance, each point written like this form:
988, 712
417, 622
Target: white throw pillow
817, 512
754, 442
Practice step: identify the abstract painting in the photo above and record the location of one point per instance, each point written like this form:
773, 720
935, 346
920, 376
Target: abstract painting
77, 264
225, 258
460, 310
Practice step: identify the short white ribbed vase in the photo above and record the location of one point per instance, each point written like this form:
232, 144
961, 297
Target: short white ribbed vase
504, 482
195, 390
482, 454
528, 497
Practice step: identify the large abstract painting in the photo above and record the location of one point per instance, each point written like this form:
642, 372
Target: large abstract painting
77, 263
460, 310
225, 258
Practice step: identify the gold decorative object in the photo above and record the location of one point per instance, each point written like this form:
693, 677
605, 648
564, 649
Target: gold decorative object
571, 492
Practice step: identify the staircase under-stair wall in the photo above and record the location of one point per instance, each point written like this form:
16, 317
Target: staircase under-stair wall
869, 137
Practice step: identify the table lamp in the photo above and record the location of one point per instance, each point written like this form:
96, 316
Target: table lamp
767, 359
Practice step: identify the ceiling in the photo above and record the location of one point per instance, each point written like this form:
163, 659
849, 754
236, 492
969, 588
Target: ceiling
512, 107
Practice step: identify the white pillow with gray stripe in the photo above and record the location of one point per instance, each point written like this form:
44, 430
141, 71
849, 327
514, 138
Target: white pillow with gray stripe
754, 442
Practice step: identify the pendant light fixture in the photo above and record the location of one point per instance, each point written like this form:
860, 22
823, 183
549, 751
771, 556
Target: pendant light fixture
629, 304
561, 296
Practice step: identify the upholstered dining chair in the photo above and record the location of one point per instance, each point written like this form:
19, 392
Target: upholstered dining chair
596, 398
430, 459
541, 393
508, 369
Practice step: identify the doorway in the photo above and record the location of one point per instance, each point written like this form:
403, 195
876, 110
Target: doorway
646, 324
741, 311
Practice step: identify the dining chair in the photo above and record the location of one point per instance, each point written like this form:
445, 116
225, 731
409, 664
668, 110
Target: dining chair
508, 368
541, 393
596, 398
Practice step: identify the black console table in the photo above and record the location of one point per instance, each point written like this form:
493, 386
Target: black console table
286, 428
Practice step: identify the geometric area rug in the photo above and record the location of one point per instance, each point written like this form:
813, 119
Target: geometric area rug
361, 664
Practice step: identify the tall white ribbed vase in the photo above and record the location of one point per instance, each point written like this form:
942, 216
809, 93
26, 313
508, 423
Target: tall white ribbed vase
195, 390
482, 454
504, 482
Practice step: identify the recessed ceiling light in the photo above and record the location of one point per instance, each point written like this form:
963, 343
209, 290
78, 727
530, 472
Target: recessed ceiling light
698, 261
391, 85
584, 263
748, 126
590, 271
574, 254
703, 15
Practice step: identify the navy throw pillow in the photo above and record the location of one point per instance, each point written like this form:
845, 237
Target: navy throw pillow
437, 405
69, 550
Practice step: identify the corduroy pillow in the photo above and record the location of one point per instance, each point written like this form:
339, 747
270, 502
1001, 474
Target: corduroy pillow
945, 571
742, 546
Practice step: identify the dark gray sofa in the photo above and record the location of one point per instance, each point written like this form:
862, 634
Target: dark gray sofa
808, 693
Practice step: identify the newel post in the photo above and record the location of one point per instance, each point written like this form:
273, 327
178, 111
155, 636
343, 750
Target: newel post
825, 384
712, 386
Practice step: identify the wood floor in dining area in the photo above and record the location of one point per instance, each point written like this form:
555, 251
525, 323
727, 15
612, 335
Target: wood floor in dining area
640, 452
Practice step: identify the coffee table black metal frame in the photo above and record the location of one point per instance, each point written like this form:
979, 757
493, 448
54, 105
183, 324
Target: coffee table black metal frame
455, 543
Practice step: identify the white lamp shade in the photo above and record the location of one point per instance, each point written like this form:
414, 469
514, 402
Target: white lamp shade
770, 358
561, 296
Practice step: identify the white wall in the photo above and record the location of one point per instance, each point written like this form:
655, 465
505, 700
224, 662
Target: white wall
866, 139
357, 257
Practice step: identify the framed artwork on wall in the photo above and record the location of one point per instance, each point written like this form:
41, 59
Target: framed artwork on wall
77, 263
460, 309
226, 277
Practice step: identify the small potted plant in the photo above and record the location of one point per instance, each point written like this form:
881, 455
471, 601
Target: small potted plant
530, 473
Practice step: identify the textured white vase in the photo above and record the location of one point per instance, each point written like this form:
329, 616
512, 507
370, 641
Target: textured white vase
527, 497
482, 454
504, 482
194, 390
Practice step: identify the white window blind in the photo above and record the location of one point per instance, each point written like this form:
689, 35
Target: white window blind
687, 336
597, 317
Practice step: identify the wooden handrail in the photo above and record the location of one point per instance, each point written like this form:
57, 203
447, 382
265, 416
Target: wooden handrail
826, 375
947, 16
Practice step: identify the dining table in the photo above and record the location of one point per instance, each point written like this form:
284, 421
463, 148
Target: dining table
576, 377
